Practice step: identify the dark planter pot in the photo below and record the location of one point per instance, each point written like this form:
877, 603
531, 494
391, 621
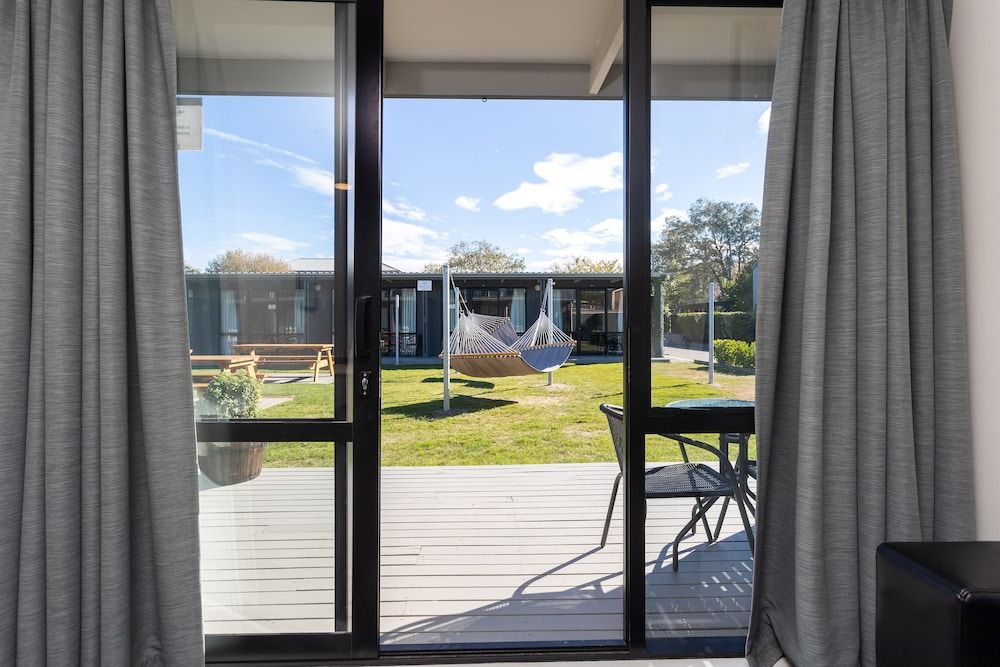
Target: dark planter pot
231, 462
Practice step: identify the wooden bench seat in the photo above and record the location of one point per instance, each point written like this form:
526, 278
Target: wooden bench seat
315, 355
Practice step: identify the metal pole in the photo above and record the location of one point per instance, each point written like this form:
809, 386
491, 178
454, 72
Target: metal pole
548, 310
396, 326
711, 333
446, 334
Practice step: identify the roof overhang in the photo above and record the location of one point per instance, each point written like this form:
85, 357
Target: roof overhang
517, 49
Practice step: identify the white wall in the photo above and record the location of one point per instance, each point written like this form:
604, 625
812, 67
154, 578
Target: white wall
975, 48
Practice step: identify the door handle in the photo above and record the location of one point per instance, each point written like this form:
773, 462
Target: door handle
362, 314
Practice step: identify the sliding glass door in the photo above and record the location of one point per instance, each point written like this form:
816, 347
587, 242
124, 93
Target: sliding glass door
595, 142
278, 139
698, 90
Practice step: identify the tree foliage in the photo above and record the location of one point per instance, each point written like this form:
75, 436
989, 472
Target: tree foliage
718, 241
480, 257
587, 265
247, 261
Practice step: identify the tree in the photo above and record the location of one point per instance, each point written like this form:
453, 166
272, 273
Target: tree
480, 257
191, 269
587, 265
740, 291
246, 261
718, 241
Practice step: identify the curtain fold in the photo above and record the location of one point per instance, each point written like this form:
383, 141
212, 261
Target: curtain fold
299, 316
408, 310
517, 310
862, 375
98, 500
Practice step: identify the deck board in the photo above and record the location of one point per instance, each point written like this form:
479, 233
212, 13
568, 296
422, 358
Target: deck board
477, 554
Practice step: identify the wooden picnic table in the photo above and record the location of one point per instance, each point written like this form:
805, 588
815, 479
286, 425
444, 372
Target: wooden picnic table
227, 363
317, 355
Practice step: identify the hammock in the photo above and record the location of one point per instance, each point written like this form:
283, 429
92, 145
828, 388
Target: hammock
487, 346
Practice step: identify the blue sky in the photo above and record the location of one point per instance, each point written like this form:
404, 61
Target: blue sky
541, 178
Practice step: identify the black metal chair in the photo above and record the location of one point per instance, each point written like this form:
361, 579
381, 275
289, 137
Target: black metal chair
680, 480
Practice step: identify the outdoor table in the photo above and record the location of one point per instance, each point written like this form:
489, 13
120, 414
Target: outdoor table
227, 363
742, 439
317, 355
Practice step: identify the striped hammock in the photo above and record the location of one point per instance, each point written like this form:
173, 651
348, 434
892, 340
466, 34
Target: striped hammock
487, 346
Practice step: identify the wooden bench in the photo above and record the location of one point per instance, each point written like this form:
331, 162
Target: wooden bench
315, 355
226, 363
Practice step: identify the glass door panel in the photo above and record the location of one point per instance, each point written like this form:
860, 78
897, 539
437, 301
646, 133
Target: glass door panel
711, 77
503, 157
281, 363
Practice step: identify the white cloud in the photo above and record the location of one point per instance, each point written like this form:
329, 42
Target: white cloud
732, 169
592, 242
662, 192
657, 224
404, 209
317, 179
563, 176
468, 203
764, 121
272, 243
409, 247
260, 145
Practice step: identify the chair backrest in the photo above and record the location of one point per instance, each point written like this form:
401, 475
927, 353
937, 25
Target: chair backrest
616, 422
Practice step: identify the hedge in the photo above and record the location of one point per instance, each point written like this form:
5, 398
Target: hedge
736, 325
736, 353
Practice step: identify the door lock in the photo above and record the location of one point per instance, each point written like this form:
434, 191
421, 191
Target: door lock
365, 383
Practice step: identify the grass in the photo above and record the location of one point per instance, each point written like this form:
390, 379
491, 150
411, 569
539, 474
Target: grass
516, 420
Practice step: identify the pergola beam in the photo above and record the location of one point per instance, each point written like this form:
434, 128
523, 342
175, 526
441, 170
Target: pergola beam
608, 45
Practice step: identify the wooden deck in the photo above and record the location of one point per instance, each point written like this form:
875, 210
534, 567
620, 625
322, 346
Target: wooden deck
470, 555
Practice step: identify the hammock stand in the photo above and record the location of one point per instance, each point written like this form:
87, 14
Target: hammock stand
487, 346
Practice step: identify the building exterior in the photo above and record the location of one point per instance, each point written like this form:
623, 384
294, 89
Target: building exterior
297, 307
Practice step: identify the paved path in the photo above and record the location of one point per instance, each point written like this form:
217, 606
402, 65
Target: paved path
678, 353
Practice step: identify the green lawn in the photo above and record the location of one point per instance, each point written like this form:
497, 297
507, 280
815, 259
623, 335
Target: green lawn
498, 420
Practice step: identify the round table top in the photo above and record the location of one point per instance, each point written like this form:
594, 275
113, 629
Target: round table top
707, 403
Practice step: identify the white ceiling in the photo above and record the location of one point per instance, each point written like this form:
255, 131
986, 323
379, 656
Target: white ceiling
568, 31
510, 31
254, 29
472, 31
714, 35
478, 48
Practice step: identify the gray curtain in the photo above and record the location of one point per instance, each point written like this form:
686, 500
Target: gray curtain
861, 347
98, 486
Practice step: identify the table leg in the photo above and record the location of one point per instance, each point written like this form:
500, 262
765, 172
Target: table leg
319, 360
329, 361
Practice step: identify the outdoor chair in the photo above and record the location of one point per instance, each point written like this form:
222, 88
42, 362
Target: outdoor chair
680, 480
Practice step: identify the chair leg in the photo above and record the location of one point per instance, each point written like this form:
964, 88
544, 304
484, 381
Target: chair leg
611, 509
704, 520
722, 517
751, 499
740, 504
684, 531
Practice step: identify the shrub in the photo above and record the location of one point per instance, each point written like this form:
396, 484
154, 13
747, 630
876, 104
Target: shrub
736, 325
230, 396
736, 353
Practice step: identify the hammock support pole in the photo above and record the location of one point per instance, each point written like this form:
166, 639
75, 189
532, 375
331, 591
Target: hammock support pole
446, 334
548, 310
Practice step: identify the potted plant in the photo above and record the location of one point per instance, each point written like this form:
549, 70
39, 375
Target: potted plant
230, 396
